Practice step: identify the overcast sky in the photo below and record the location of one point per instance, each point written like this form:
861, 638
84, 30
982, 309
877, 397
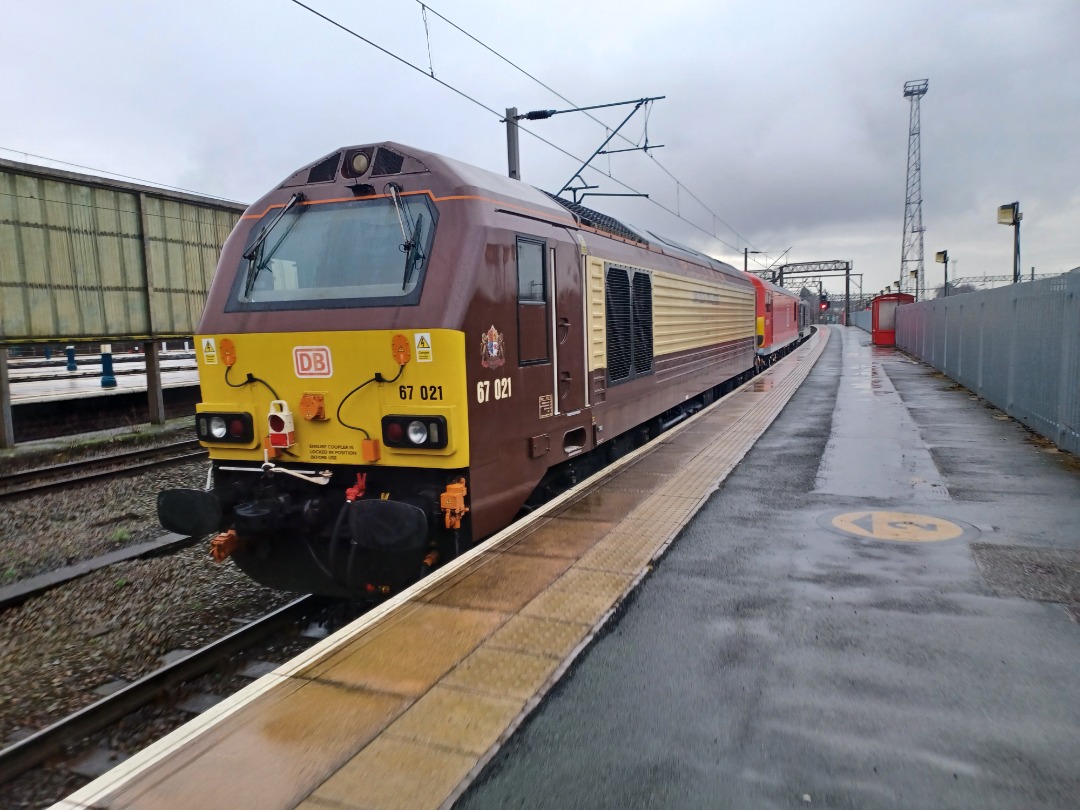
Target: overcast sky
786, 119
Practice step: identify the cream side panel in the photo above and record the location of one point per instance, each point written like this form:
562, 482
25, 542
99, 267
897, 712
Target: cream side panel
596, 326
690, 313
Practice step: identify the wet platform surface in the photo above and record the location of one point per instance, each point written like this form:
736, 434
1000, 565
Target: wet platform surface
835, 627
30, 386
775, 660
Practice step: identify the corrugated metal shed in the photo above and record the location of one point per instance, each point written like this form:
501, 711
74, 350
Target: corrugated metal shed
90, 258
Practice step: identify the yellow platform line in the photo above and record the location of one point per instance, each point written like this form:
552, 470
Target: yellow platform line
404, 707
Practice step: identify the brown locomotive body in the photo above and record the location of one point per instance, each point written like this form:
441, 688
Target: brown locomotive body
399, 352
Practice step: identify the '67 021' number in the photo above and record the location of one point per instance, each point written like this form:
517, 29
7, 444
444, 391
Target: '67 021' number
500, 387
425, 392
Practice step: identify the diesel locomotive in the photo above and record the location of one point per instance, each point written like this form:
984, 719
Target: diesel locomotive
401, 352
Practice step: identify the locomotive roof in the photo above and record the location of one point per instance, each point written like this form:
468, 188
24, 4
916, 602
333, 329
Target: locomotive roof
466, 176
602, 222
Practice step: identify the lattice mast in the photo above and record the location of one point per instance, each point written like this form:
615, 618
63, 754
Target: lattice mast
911, 260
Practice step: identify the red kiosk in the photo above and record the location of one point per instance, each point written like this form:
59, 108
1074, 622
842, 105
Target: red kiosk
884, 317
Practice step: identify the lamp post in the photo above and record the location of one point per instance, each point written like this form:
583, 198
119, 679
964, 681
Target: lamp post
1009, 214
942, 257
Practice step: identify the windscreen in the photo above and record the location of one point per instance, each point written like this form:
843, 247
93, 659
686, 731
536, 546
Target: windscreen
355, 253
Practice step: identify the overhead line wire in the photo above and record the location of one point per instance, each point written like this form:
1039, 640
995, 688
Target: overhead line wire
555, 92
500, 116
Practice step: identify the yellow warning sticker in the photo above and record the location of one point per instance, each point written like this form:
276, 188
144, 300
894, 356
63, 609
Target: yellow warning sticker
898, 526
209, 351
422, 344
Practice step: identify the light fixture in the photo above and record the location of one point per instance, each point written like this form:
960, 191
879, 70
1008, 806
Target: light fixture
1009, 214
360, 162
942, 257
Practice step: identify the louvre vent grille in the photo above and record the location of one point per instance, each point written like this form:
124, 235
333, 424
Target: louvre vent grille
642, 320
628, 299
325, 171
617, 297
387, 162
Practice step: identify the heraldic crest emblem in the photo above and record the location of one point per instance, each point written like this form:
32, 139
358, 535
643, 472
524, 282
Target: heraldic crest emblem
491, 349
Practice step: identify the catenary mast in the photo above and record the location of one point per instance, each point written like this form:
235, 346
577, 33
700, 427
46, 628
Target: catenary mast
911, 260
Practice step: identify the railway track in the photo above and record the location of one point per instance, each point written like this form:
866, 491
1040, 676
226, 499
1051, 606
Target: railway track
27, 754
40, 479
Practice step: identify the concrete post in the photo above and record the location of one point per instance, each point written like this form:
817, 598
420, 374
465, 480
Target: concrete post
7, 428
155, 399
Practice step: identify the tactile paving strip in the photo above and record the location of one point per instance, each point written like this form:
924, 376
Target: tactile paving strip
452, 666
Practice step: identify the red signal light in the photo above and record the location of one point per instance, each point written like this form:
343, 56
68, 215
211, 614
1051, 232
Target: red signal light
394, 432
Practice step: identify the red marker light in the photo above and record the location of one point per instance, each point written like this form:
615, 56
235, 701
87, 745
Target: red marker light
394, 432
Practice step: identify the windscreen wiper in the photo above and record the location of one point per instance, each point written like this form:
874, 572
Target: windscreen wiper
411, 246
413, 256
252, 252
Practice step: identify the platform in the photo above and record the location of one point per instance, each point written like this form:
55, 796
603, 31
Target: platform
87, 383
834, 628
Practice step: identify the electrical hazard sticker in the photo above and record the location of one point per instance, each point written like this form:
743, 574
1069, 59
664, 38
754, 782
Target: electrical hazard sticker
422, 344
209, 351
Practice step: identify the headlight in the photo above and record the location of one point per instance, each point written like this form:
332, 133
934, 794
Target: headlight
417, 432
225, 427
414, 432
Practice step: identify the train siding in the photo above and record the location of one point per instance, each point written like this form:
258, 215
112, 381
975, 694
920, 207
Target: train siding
597, 322
691, 313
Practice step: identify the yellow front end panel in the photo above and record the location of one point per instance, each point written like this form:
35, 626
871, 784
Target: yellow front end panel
327, 382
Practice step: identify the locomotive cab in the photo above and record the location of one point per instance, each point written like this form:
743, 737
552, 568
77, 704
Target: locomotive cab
332, 372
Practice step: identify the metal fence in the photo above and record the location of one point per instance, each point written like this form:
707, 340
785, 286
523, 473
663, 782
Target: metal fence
862, 318
1017, 347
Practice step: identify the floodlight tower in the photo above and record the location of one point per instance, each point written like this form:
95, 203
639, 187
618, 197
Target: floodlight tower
911, 260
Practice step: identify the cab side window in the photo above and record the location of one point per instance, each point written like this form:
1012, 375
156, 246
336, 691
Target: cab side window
532, 302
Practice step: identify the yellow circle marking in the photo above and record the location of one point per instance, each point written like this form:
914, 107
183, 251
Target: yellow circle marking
901, 526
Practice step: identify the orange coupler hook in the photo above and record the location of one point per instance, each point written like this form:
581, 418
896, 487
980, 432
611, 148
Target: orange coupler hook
222, 546
452, 502
357, 492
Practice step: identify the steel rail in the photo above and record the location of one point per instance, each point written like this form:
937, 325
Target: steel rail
76, 472
35, 749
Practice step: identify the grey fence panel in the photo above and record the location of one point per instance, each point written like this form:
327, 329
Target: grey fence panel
1018, 347
862, 319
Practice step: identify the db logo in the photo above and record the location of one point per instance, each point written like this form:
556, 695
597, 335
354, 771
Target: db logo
312, 361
